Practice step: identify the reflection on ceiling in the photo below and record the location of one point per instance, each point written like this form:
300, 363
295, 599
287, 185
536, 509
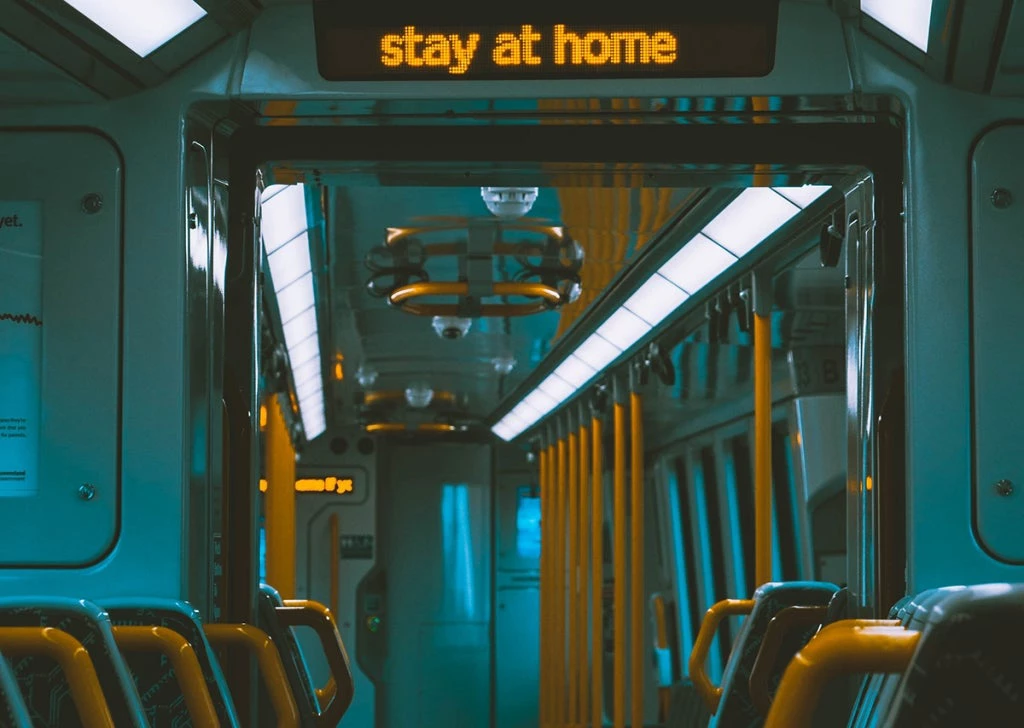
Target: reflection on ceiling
480, 336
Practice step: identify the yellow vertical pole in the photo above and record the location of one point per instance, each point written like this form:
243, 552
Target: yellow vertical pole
637, 554
545, 592
574, 555
762, 436
584, 551
335, 561
559, 666
619, 567
280, 503
597, 579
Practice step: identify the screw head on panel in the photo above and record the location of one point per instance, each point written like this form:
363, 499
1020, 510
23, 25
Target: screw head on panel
1004, 487
92, 203
87, 491
1001, 198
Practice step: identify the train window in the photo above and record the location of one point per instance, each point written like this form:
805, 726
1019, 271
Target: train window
743, 479
528, 522
786, 557
707, 493
684, 543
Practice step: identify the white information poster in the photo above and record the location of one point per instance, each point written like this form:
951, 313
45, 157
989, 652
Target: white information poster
21, 345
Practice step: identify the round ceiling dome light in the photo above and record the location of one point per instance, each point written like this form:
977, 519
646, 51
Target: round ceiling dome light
366, 376
419, 395
504, 364
509, 203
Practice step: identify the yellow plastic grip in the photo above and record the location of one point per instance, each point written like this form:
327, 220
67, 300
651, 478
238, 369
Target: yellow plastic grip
850, 646
708, 691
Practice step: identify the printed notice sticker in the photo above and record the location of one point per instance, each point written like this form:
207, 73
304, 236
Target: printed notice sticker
21, 345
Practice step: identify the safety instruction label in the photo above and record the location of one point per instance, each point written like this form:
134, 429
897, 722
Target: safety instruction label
21, 345
357, 547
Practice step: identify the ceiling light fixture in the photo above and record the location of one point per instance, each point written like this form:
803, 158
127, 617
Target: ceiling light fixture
746, 222
142, 26
284, 228
909, 19
509, 203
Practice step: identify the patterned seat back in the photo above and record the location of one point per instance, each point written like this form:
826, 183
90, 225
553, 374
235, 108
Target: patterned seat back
153, 674
291, 655
736, 709
13, 711
967, 667
41, 680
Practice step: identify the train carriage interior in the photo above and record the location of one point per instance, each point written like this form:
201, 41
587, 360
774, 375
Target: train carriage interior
522, 366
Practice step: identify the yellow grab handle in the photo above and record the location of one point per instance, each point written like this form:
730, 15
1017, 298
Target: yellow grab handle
708, 691
184, 661
73, 658
309, 613
268, 659
850, 646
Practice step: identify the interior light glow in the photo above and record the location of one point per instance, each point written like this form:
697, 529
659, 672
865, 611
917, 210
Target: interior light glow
300, 327
307, 389
304, 371
575, 371
909, 19
540, 401
623, 328
556, 388
697, 263
296, 298
749, 219
283, 216
527, 411
304, 351
290, 262
753, 216
802, 196
656, 299
503, 431
142, 26
597, 352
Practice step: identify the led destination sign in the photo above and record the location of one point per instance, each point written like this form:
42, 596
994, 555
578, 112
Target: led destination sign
729, 38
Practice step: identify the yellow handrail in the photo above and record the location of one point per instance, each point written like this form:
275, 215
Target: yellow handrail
573, 555
268, 659
597, 578
637, 555
280, 502
619, 568
404, 295
762, 449
308, 613
850, 646
183, 659
73, 659
708, 691
584, 572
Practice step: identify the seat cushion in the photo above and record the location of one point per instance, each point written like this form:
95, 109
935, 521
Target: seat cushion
736, 709
154, 676
43, 682
967, 669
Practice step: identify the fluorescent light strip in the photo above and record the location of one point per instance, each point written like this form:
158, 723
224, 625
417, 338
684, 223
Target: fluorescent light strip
285, 232
909, 19
142, 25
746, 222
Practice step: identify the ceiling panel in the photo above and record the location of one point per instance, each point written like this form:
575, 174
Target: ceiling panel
25, 78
